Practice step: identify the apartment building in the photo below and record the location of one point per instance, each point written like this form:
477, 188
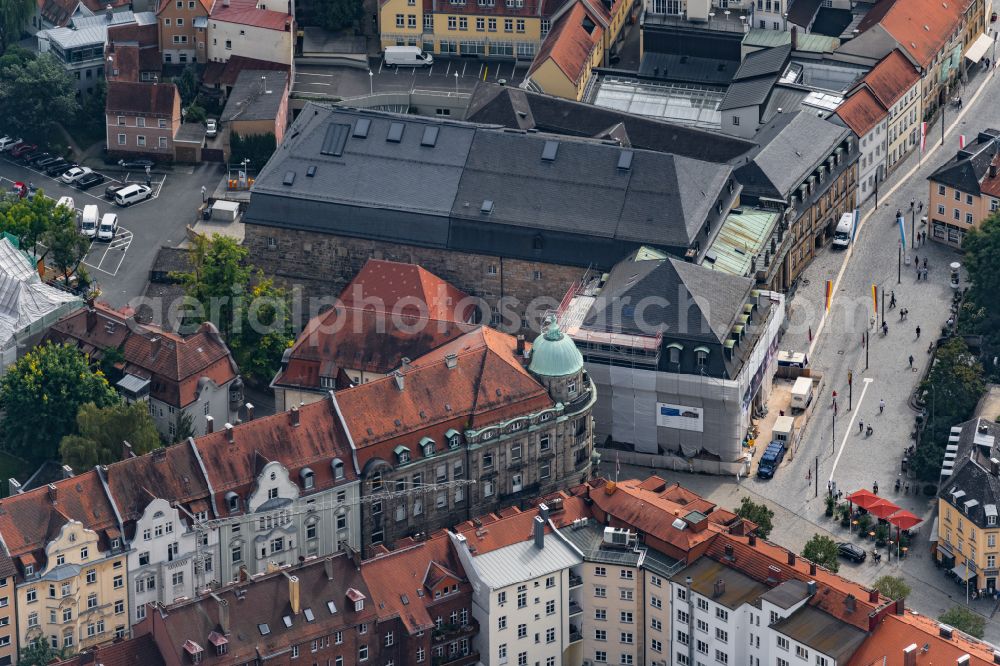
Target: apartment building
967, 507
284, 487
142, 119
258, 29
66, 543
388, 312
182, 26
965, 190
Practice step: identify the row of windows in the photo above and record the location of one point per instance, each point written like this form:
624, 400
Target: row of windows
140, 121
140, 141
482, 24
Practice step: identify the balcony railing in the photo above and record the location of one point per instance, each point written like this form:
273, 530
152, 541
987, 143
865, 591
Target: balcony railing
575, 581
459, 659
574, 608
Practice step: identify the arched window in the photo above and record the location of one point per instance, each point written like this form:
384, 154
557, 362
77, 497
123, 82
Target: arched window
232, 501
338, 469
308, 478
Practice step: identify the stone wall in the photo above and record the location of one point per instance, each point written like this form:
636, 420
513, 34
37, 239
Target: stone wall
323, 264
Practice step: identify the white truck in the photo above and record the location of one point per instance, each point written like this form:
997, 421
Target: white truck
842, 236
802, 392
88, 223
407, 56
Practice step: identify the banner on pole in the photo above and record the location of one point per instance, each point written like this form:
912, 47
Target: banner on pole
923, 136
961, 141
902, 230
874, 299
829, 293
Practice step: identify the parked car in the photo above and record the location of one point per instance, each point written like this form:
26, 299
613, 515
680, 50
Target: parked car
75, 174
851, 552
67, 202
34, 156
211, 127
132, 194
8, 142
47, 162
60, 166
23, 149
88, 221
773, 455
108, 228
111, 190
136, 164
90, 180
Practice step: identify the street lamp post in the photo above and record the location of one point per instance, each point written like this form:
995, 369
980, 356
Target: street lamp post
456, 81
913, 221
371, 82
899, 269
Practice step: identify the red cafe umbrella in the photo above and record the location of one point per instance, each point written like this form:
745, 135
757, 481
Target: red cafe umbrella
863, 498
883, 508
904, 520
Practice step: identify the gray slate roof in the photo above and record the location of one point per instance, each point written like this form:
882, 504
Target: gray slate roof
757, 75
700, 304
661, 199
966, 170
792, 145
971, 474
252, 99
88, 30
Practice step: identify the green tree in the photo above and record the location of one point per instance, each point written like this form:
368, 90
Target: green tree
35, 94
102, 430
334, 15
32, 217
40, 396
195, 113
38, 653
14, 15
263, 331
187, 85
757, 513
66, 248
950, 393
965, 620
183, 426
219, 272
823, 551
892, 587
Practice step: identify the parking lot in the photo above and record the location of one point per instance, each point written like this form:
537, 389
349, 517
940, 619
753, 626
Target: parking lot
121, 267
321, 81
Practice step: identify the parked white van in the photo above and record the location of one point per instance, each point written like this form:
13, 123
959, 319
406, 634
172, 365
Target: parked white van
67, 202
842, 236
132, 194
109, 225
407, 56
88, 223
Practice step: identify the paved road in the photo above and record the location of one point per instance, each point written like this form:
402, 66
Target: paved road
122, 267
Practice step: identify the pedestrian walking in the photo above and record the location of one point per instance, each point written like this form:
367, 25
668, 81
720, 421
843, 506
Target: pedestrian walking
885, 329
916, 260
925, 263
918, 273
861, 426
918, 332
892, 299
881, 406
911, 360
875, 487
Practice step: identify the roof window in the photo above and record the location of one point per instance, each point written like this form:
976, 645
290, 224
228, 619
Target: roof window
395, 134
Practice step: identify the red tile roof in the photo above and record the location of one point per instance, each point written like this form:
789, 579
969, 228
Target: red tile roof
511, 525
150, 99
884, 646
921, 27
98, 6
891, 78
315, 443
226, 73
407, 289
245, 12
488, 384
206, 4
141, 650
569, 45
990, 185
57, 12
861, 112
31, 519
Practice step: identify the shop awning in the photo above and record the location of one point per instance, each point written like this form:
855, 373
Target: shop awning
962, 574
978, 49
945, 550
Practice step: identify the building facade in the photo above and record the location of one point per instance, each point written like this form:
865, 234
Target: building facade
182, 28
142, 119
258, 29
965, 190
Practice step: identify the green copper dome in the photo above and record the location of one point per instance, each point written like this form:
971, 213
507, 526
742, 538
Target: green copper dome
554, 354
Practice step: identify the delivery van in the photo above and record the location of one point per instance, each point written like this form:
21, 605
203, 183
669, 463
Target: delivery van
802, 392
407, 56
109, 227
88, 223
67, 202
842, 236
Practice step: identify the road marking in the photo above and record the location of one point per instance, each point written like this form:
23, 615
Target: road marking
861, 223
464, 65
301, 73
850, 426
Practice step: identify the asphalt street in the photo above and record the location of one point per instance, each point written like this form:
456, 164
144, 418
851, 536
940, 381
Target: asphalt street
121, 268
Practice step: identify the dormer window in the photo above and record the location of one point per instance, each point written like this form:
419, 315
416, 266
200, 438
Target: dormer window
308, 478
674, 350
338, 469
453, 438
427, 446
701, 356
571, 387
546, 416
272, 493
516, 425
29, 569
402, 454
357, 598
488, 434
233, 502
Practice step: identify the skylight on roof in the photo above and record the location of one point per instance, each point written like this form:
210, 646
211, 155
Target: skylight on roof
550, 150
287, 620
361, 128
264, 629
625, 160
308, 612
335, 139
332, 607
395, 134
430, 136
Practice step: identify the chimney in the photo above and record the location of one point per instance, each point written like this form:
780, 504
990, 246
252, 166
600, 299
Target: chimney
718, 589
730, 553
127, 451
543, 511
13, 486
109, 13
328, 568
293, 415
249, 407
91, 319
209, 424
901, 606
67, 472
994, 467
873, 596
753, 540
223, 613
812, 568
450, 360
850, 603
993, 170
462, 542
229, 433
398, 377
539, 532
811, 588
791, 559
404, 364
53, 493
154, 347
795, 38
910, 655
996, 656
520, 345
945, 631
293, 593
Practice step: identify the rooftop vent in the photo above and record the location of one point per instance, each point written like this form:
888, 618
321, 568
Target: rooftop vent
549, 151
311, 171
289, 178
487, 207
395, 134
430, 137
719, 588
361, 128
625, 160
678, 524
